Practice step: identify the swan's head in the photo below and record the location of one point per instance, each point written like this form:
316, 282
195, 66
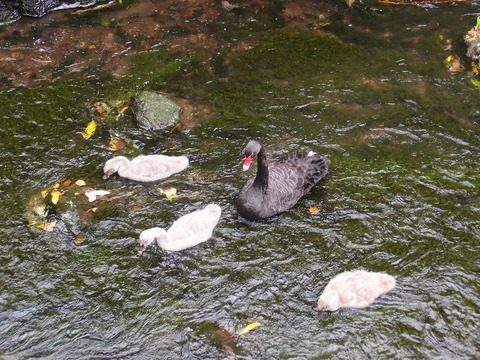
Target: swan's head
251, 150
112, 166
148, 236
328, 301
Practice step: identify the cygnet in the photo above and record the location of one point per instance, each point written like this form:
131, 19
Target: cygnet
189, 230
145, 167
354, 289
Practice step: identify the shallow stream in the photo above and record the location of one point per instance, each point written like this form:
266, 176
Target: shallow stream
367, 87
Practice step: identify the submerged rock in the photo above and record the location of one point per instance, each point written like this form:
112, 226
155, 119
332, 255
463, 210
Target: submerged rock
38, 8
472, 39
156, 111
8, 14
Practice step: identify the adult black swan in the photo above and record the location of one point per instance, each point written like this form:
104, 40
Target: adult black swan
277, 188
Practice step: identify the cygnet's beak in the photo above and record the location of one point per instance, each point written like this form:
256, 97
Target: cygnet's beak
107, 175
141, 249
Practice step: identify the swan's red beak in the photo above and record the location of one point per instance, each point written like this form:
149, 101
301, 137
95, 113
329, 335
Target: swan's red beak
247, 160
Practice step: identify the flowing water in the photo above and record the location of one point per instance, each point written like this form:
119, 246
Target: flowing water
366, 87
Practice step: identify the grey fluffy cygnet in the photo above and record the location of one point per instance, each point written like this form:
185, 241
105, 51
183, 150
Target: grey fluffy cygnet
189, 230
145, 168
354, 289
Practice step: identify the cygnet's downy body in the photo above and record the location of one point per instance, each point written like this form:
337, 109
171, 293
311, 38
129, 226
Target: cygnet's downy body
145, 168
188, 231
354, 289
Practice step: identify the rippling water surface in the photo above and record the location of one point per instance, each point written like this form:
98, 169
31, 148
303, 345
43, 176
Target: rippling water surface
402, 197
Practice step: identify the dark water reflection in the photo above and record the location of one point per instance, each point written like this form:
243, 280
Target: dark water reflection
402, 197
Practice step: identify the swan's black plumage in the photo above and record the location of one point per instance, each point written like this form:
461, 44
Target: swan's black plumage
276, 188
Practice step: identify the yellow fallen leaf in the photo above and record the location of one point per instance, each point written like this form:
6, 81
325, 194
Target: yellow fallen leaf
89, 130
169, 193
56, 196
117, 144
80, 183
122, 110
79, 239
475, 83
56, 186
248, 328
449, 58
48, 226
313, 210
44, 193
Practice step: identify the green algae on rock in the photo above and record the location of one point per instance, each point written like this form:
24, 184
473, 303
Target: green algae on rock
156, 111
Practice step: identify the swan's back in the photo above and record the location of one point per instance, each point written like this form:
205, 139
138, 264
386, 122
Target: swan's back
289, 179
296, 175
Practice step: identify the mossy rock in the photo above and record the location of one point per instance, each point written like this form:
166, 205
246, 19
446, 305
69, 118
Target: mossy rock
156, 111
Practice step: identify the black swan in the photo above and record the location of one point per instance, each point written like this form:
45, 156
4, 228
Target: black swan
145, 167
277, 188
187, 231
354, 289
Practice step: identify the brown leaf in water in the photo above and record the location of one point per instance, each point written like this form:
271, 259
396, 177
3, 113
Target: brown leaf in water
49, 226
101, 107
313, 210
67, 182
117, 144
79, 239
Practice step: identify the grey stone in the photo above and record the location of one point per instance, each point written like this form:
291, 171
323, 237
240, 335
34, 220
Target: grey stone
156, 111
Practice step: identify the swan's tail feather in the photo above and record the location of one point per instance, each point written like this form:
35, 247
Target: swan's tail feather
316, 170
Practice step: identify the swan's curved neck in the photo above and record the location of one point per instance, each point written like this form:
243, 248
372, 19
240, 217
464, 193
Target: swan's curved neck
261, 180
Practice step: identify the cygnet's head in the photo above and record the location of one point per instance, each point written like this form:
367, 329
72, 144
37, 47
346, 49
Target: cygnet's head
148, 236
112, 166
328, 301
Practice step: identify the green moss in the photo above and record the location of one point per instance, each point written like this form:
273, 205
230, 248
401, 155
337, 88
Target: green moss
294, 53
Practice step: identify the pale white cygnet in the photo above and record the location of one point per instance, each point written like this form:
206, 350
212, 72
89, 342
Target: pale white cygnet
354, 289
189, 230
145, 167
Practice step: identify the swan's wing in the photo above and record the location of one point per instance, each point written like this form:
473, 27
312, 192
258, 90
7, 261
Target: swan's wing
286, 185
293, 177
309, 169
